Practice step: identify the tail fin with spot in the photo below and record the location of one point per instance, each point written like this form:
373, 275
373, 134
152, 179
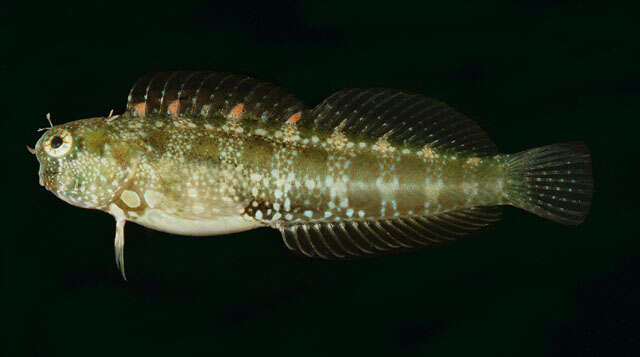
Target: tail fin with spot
554, 182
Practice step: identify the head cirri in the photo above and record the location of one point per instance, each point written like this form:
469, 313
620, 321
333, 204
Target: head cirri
83, 162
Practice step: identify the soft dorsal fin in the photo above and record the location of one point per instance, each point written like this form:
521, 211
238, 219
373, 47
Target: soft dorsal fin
404, 119
349, 239
205, 94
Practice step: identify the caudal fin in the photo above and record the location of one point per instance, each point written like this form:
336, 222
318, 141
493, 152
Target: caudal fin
554, 182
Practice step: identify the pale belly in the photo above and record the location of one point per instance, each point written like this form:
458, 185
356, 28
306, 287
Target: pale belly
161, 221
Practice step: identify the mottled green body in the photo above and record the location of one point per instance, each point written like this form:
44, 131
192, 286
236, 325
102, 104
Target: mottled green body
364, 172
203, 169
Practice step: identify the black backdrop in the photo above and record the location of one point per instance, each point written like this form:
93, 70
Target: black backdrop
531, 72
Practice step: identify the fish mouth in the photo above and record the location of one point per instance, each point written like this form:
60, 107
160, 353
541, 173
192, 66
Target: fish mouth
48, 178
50, 184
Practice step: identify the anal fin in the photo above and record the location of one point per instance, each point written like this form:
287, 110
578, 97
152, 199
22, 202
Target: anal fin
350, 239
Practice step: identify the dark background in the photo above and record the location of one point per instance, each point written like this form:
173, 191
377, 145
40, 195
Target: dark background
531, 72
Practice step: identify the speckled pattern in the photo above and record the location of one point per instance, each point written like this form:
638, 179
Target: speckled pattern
204, 153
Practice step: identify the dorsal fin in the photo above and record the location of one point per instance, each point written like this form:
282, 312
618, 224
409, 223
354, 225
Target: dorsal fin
405, 119
349, 239
205, 94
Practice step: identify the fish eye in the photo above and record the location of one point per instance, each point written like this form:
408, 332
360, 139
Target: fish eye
59, 144
56, 142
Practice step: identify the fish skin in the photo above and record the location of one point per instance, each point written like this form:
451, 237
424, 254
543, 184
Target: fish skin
204, 169
226, 171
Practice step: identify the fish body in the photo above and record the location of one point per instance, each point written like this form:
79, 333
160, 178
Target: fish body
364, 172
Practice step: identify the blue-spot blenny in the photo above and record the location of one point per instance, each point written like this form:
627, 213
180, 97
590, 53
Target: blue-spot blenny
367, 171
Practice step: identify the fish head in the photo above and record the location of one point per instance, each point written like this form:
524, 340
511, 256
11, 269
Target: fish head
85, 163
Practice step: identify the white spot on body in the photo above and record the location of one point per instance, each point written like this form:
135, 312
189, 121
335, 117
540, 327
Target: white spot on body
433, 189
310, 184
130, 198
153, 198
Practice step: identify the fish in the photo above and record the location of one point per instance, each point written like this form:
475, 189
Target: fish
364, 173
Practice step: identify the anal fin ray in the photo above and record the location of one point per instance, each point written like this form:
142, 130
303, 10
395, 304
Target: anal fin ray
350, 239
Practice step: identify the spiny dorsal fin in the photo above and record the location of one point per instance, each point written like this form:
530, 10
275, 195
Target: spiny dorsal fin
405, 119
205, 94
349, 239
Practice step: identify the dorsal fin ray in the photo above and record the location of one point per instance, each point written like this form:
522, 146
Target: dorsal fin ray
205, 94
404, 119
350, 239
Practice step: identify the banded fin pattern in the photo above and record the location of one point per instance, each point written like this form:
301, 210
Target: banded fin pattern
404, 119
552, 181
349, 239
207, 94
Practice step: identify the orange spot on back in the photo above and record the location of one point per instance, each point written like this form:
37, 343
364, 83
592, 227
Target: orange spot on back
294, 118
474, 161
141, 109
337, 139
173, 107
382, 145
237, 111
427, 153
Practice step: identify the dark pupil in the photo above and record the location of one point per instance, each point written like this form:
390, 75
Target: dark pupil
56, 142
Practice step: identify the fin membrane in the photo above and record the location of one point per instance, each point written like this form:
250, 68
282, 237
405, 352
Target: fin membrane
404, 119
349, 239
203, 94
552, 181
